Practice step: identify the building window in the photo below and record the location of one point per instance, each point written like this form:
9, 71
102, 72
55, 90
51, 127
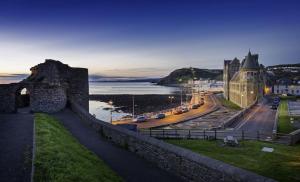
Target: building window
277, 91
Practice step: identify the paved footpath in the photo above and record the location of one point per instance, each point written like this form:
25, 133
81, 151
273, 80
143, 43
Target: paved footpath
128, 165
16, 132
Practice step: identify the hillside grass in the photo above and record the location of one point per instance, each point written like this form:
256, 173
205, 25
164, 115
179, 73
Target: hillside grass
228, 104
284, 123
283, 164
61, 158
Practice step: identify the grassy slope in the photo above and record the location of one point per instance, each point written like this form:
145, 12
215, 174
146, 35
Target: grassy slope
284, 124
229, 104
60, 157
283, 164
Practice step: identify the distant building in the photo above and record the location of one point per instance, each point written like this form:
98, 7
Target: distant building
206, 85
243, 81
286, 86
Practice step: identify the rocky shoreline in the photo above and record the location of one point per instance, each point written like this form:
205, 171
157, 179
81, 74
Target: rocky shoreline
143, 103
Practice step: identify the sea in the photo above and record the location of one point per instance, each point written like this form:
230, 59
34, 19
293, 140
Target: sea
102, 110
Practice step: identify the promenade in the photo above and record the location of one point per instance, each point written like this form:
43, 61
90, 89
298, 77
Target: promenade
209, 106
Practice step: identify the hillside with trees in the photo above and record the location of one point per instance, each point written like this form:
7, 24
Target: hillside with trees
184, 74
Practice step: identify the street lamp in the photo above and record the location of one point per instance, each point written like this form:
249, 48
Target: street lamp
180, 80
171, 101
111, 108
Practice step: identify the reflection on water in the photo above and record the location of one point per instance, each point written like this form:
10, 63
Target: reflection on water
102, 111
136, 88
7, 80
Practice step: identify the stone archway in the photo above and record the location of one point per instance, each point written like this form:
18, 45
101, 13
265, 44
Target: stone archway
22, 99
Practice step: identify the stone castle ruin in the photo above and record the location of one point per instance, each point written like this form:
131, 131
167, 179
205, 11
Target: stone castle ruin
48, 89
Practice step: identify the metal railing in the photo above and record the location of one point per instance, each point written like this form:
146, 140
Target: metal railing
208, 134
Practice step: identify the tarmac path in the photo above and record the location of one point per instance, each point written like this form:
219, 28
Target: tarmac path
16, 139
128, 165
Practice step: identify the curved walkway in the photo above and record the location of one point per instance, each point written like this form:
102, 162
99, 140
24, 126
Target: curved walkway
128, 165
209, 106
16, 135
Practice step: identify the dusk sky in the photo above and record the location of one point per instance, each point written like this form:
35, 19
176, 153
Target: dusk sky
146, 38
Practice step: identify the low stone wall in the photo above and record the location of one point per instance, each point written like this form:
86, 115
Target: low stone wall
184, 163
295, 137
236, 117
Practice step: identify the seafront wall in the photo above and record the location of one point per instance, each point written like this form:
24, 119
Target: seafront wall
184, 163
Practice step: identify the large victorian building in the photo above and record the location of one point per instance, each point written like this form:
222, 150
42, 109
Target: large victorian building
243, 81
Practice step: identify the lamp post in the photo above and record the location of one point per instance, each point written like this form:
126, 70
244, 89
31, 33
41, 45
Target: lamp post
180, 80
132, 107
194, 79
111, 108
171, 101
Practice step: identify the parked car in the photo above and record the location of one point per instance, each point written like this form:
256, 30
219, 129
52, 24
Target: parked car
160, 116
201, 102
195, 106
184, 109
178, 111
141, 119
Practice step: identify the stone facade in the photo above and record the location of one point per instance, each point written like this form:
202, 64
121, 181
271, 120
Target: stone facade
50, 86
230, 68
243, 82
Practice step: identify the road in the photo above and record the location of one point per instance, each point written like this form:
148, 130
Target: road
209, 106
260, 118
16, 139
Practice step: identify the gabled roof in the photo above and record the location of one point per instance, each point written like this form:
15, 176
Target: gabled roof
251, 62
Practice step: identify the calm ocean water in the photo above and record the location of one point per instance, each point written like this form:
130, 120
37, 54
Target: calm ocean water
137, 88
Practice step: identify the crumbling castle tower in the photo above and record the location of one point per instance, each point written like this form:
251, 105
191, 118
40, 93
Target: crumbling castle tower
50, 87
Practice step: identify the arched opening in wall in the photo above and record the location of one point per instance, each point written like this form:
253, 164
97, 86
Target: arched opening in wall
23, 100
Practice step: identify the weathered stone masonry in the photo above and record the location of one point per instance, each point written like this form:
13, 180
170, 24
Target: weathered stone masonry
50, 86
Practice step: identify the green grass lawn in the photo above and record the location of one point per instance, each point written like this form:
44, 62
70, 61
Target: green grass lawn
283, 164
229, 104
284, 124
61, 158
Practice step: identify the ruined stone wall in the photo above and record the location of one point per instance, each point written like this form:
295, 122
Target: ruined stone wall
79, 87
45, 98
50, 84
7, 98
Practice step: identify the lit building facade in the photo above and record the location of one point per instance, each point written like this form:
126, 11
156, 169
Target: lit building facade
243, 81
